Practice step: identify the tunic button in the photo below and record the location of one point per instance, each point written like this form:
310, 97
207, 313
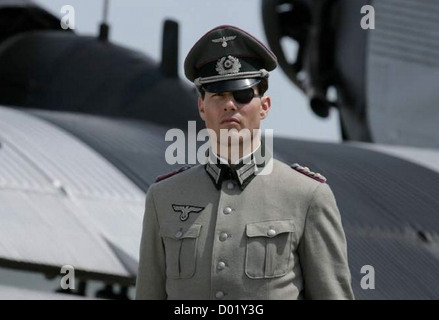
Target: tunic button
219, 295
230, 185
179, 234
271, 232
223, 236
221, 265
227, 210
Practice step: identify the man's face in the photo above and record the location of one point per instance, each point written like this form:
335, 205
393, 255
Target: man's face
221, 111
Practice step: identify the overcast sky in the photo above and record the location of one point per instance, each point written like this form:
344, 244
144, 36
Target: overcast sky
138, 24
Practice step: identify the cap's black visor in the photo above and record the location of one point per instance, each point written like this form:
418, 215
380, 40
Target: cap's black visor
231, 85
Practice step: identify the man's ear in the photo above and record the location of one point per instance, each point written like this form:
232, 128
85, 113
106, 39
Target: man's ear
265, 106
201, 108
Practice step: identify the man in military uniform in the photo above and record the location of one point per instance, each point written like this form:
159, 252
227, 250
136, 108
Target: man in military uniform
254, 229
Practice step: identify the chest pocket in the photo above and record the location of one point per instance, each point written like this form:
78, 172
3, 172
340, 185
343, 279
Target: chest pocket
269, 246
181, 250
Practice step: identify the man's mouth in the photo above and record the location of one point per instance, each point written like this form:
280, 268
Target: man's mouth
230, 120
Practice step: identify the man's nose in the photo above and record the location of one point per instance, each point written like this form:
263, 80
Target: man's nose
230, 103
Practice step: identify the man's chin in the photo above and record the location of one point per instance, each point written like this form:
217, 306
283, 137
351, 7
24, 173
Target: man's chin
231, 126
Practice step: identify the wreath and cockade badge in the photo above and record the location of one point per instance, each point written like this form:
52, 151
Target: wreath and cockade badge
227, 65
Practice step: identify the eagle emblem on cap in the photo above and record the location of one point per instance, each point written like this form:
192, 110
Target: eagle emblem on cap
224, 40
227, 65
184, 210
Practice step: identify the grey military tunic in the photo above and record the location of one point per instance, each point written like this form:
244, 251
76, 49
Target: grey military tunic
275, 236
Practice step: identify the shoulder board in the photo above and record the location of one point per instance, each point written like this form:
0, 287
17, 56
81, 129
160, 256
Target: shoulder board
309, 173
172, 173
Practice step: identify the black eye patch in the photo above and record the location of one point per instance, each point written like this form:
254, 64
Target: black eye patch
244, 96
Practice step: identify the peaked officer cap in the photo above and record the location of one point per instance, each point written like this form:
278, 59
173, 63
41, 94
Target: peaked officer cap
228, 59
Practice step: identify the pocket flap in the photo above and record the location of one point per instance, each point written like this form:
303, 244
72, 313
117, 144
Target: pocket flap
269, 228
177, 232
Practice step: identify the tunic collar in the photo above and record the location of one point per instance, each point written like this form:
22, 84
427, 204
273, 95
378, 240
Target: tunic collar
242, 173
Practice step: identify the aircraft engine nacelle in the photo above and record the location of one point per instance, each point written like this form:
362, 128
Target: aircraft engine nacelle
380, 58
